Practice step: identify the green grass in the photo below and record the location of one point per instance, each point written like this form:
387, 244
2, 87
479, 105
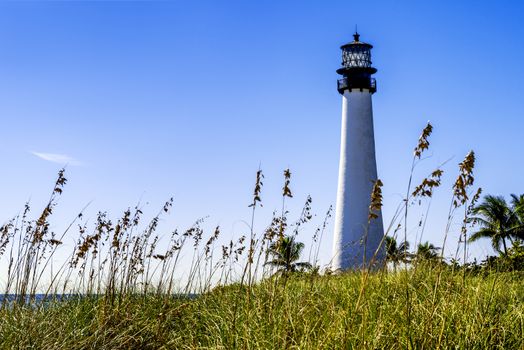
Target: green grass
300, 312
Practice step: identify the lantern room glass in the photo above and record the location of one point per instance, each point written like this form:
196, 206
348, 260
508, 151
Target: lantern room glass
356, 56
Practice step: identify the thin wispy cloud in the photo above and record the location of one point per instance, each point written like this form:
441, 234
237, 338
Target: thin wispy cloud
62, 159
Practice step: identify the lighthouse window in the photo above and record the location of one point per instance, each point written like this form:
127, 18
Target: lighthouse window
356, 57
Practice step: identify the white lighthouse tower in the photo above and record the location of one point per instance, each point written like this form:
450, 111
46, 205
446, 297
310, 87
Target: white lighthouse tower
356, 239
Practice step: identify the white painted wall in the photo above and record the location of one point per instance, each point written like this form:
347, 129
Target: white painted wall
357, 171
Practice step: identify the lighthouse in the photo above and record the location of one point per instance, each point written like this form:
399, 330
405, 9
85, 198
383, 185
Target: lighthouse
356, 239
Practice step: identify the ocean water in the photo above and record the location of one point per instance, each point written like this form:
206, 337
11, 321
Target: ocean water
39, 299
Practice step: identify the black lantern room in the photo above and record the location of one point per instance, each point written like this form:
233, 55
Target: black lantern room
356, 67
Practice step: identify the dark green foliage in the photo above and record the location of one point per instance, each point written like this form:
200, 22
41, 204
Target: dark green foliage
513, 260
396, 253
498, 222
427, 251
517, 203
286, 253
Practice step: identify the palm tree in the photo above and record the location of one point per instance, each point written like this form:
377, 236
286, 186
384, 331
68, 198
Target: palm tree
396, 253
517, 203
497, 221
286, 252
427, 251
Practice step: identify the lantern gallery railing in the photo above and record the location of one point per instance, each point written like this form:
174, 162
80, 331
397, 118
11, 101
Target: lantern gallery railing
349, 84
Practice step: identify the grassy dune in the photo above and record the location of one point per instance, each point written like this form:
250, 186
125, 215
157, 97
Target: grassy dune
128, 282
422, 308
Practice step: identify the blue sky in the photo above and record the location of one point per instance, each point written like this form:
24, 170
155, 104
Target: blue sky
148, 100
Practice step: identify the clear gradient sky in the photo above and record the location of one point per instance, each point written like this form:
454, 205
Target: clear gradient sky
147, 100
